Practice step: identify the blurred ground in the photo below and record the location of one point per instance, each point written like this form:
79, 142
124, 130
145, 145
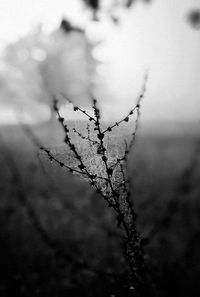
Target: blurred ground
36, 195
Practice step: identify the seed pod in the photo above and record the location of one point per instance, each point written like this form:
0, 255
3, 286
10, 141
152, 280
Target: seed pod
81, 166
104, 158
100, 136
110, 171
61, 119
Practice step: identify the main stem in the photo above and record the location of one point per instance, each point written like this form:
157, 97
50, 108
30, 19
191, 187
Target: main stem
132, 246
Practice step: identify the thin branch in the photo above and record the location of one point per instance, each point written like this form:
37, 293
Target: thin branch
77, 108
76, 211
38, 144
85, 137
72, 147
141, 96
131, 112
88, 136
125, 119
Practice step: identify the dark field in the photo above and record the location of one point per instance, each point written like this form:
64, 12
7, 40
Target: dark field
58, 238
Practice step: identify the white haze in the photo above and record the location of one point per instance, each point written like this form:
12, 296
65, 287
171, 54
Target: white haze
156, 37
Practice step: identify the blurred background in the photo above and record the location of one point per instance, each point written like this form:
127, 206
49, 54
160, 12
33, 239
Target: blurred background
52, 224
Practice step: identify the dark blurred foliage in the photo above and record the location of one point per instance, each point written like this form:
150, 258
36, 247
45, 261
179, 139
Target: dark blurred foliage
129, 3
96, 4
194, 18
111, 7
67, 27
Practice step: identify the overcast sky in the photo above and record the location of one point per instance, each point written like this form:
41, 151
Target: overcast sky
156, 37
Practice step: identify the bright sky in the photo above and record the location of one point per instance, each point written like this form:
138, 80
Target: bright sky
158, 38
18, 17
154, 37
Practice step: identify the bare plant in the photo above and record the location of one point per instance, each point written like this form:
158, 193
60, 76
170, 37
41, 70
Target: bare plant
107, 174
